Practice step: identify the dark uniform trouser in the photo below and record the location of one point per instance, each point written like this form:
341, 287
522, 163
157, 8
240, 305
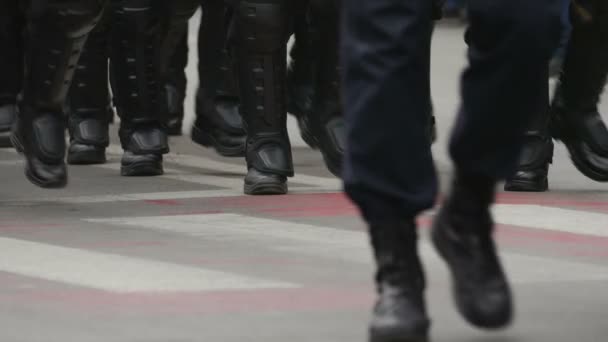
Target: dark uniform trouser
213, 23
389, 168
11, 58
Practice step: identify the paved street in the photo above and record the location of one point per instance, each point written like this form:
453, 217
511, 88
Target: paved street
186, 257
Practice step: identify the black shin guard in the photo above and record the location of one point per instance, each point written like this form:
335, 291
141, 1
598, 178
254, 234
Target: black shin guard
261, 34
218, 121
135, 62
88, 102
54, 38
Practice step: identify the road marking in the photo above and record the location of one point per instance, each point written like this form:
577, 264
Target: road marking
552, 218
169, 195
11, 162
116, 273
189, 177
338, 244
149, 196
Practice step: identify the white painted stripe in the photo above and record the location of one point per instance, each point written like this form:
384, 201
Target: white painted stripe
11, 162
337, 244
117, 273
177, 195
235, 183
552, 218
149, 196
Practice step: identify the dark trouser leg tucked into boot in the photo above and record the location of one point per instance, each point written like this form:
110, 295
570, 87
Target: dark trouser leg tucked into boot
486, 144
11, 65
301, 71
219, 123
88, 102
388, 168
533, 168
261, 34
326, 117
174, 59
55, 35
575, 119
135, 67
175, 87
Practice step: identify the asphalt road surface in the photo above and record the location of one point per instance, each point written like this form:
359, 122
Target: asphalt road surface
186, 257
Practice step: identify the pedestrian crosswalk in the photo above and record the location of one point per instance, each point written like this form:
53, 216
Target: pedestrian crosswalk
340, 244
264, 233
127, 274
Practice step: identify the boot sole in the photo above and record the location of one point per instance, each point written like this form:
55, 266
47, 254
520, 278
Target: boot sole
42, 183
208, 140
142, 169
265, 189
586, 170
559, 133
45, 184
87, 158
412, 338
523, 186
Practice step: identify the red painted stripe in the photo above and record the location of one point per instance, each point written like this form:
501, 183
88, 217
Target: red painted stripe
212, 303
122, 244
163, 202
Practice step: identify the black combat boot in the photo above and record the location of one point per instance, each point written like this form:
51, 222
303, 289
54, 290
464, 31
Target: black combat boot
400, 312
462, 233
218, 123
261, 48
136, 70
54, 39
175, 87
532, 173
89, 102
575, 119
301, 73
326, 117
